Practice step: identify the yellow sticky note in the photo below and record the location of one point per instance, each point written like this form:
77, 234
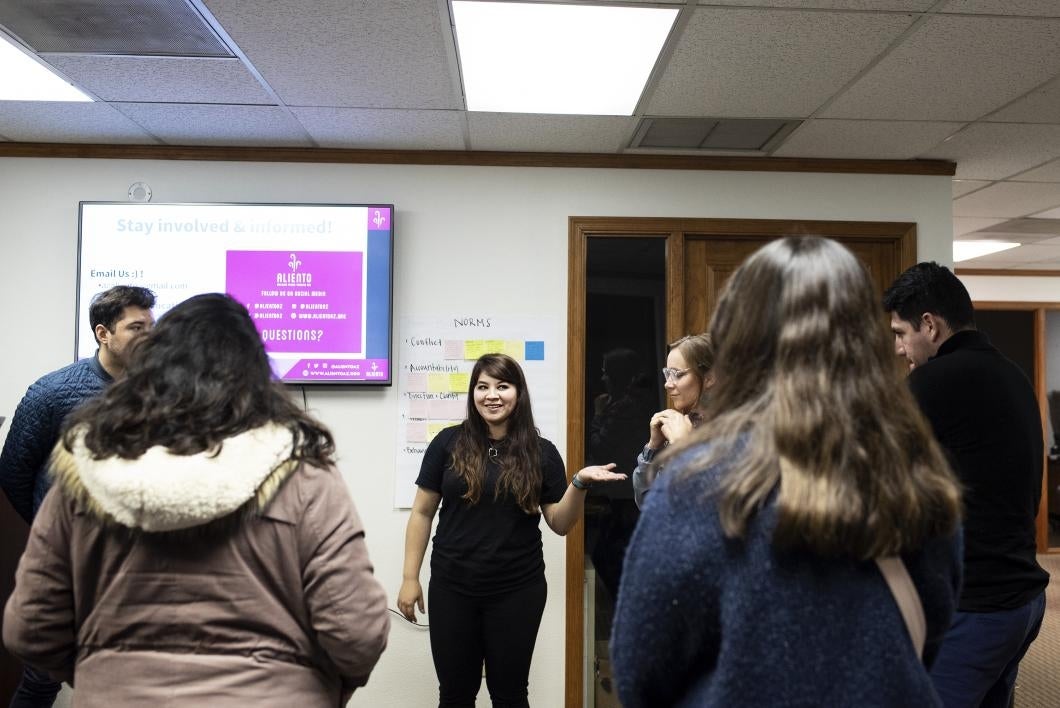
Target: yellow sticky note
474, 348
494, 346
435, 428
514, 348
459, 383
438, 383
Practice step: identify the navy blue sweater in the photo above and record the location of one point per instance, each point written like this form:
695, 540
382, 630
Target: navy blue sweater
703, 620
35, 429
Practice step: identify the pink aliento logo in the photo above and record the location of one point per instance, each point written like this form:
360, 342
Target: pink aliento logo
294, 263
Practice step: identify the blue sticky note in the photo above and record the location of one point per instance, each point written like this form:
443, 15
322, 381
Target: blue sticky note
535, 351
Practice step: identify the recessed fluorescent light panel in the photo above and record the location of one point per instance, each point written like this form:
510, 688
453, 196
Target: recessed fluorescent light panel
22, 78
548, 58
967, 250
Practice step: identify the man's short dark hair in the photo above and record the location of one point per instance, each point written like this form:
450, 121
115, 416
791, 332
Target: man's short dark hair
107, 307
929, 287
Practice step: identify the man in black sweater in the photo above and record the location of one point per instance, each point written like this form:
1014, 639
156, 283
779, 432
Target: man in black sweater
986, 417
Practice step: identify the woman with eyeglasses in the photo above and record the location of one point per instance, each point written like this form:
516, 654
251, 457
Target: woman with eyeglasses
760, 570
686, 378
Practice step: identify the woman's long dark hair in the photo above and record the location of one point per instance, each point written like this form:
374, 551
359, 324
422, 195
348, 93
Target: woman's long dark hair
199, 377
520, 459
809, 404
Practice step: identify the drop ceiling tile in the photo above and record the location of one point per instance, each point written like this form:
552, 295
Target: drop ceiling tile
549, 133
964, 186
337, 53
998, 150
218, 125
768, 63
964, 226
61, 122
1037, 252
162, 79
907, 5
1011, 199
955, 68
1048, 214
1055, 241
1049, 172
1032, 8
1042, 105
870, 139
383, 129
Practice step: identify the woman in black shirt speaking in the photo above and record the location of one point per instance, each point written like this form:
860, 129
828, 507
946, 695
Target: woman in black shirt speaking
494, 477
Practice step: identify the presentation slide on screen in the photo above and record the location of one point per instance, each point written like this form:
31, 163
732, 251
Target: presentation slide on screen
315, 278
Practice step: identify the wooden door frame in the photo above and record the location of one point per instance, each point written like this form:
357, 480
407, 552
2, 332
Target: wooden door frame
674, 230
1039, 309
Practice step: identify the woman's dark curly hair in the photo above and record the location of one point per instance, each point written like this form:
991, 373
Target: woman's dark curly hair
199, 377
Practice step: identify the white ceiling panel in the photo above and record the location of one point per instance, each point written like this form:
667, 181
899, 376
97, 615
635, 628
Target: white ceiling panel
218, 125
1011, 199
875, 139
955, 68
1048, 214
168, 79
901, 5
549, 133
743, 62
1029, 8
383, 129
337, 53
1037, 252
998, 150
964, 186
1049, 172
964, 226
1042, 105
61, 122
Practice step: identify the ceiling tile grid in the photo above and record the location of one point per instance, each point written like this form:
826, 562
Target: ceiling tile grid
549, 133
381, 129
61, 122
218, 125
964, 186
876, 5
335, 53
966, 226
1049, 172
998, 150
768, 63
1011, 199
1041, 105
955, 68
163, 79
876, 139
1026, 8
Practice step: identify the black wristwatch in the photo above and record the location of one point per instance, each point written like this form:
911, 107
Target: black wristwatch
578, 484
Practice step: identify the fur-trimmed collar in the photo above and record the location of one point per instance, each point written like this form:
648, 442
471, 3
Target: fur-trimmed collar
160, 491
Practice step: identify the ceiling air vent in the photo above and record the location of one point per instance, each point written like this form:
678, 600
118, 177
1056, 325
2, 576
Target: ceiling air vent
711, 134
112, 27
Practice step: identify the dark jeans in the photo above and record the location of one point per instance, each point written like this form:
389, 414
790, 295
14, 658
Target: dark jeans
980, 656
36, 690
499, 630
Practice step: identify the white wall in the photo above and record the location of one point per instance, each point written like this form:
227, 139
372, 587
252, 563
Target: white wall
1012, 288
467, 239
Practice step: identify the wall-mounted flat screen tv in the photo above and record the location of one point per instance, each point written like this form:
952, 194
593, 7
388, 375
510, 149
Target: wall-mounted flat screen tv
316, 278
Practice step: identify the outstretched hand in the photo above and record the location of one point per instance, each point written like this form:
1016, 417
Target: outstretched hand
599, 473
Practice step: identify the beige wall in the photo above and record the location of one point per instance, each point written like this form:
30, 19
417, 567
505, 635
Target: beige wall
466, 238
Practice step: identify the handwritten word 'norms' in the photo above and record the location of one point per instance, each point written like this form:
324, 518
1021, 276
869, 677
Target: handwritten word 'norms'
472, 322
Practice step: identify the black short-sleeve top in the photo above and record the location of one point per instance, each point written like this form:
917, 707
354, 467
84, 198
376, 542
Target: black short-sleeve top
492, 546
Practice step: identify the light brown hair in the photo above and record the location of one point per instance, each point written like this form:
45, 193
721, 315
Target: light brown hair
809, 404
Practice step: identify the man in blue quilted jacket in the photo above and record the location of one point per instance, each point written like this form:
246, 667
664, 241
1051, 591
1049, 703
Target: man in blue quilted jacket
119, 316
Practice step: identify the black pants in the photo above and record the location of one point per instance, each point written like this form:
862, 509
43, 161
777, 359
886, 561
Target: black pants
499, 630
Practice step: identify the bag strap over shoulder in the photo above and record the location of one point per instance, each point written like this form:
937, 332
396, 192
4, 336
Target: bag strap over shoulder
907, 598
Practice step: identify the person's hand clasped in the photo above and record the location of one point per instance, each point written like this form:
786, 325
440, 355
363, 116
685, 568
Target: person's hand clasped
594, 474
409, 598
671, 426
